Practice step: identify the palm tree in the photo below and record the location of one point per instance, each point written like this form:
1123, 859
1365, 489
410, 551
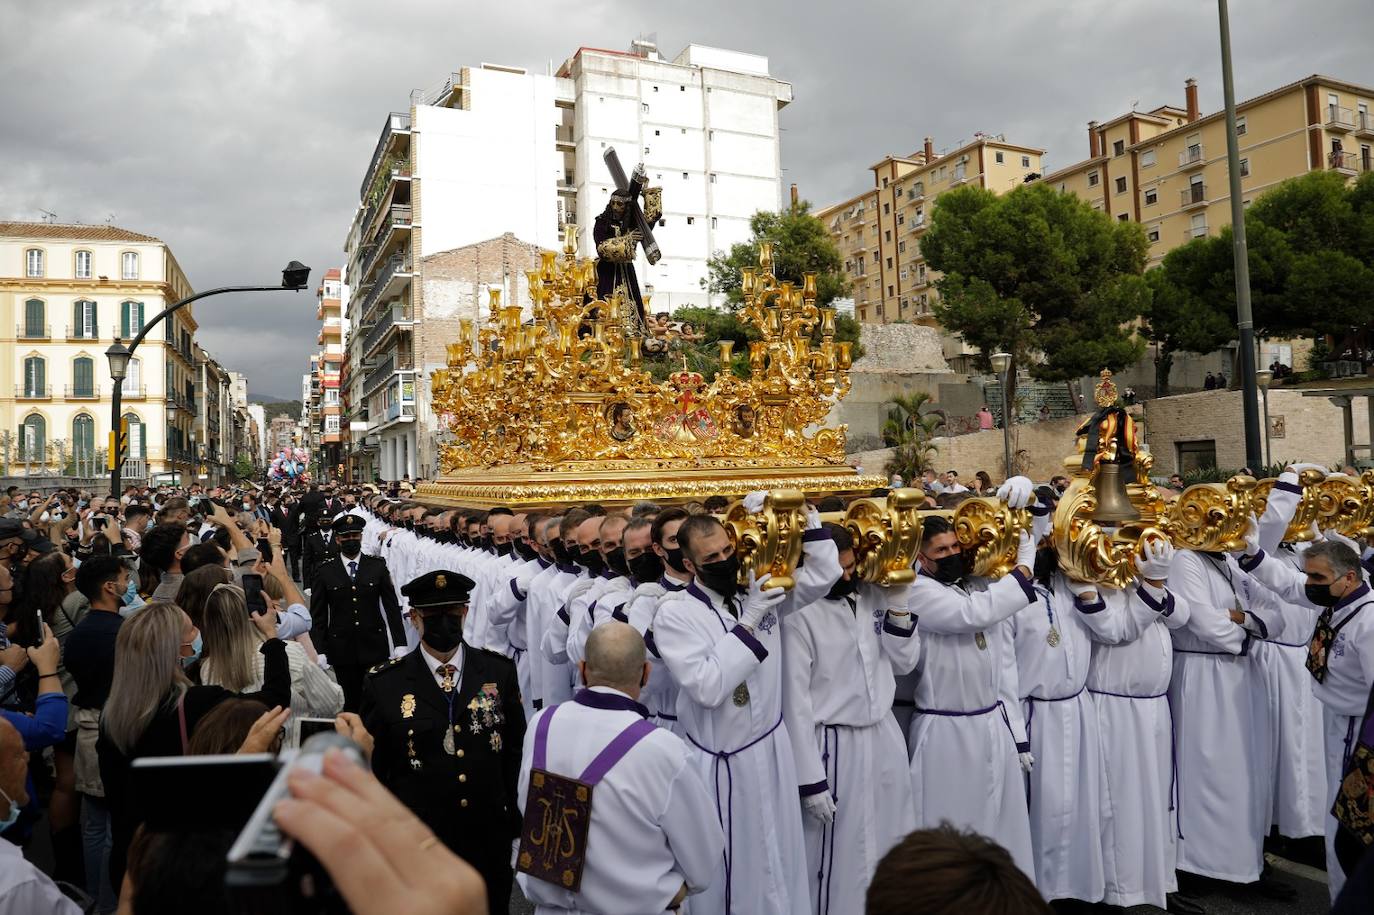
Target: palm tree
910, 431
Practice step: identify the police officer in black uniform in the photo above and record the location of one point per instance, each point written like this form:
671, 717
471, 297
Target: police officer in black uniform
317, 544
448, 728
353, 607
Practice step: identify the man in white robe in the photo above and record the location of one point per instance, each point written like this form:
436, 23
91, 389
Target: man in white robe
839, 657
653, 838
661, 694
1334, 592
1221, 722
967, 740
610, 590
545, 611
508, 602
723, 649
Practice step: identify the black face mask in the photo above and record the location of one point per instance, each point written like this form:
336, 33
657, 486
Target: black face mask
504, 549
674, 560
844, 587
1321, 595
616, 560
526, 551
442, 633
646, 567
721, 576
350, 548
591, 560
948, 569
488, 543
560, 552
1046, 562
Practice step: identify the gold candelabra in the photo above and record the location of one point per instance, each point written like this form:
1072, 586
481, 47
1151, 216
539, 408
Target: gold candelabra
555, 404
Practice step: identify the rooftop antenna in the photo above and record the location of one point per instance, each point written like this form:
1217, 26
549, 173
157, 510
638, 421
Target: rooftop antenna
48, 215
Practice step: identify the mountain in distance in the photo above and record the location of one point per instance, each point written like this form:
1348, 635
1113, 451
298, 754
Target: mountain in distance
273, 406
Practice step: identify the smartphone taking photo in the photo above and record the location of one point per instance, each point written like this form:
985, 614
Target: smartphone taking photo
252, 594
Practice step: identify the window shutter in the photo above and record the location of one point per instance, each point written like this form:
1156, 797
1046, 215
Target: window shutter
84, 372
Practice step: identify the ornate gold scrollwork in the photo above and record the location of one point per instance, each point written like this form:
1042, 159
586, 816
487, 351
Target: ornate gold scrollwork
1309, 505
887, 535
1346, 504
769, 542
1212, 517
989, 530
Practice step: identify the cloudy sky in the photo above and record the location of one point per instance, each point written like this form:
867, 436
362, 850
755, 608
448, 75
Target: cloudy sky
238, 130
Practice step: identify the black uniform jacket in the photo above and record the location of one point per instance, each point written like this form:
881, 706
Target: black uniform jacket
350, 616
467, 798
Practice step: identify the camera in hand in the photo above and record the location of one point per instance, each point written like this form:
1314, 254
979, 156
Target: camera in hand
252, 594
264, 871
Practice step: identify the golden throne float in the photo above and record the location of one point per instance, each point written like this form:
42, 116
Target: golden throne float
558, 407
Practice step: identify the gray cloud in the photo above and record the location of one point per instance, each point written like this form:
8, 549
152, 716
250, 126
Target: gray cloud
239, 131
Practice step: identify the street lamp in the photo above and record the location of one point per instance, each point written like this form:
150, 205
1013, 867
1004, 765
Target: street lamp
1264, 378
294, 278
1001, 364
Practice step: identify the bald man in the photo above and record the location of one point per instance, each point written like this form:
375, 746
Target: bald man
652, 837
23, 887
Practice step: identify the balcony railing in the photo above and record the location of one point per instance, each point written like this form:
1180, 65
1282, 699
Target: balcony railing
395, 263
33, 332
396, 122
1345, 162
1191, 156
389, 318
398, 215
81, 392
384, 369
1339, 119
1193, 195
1364, 124
134, 391
33, 392
82, 333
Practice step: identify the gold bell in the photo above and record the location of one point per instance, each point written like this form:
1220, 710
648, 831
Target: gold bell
1113, 505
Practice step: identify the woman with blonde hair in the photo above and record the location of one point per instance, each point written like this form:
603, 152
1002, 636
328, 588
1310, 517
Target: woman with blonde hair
153, 706
195, 590
233, 660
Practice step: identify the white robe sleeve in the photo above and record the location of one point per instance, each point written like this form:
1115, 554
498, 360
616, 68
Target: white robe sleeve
706, 669
1285, 581
901, 643
691, 828
814, 578
952, 611
798, 655
1278, 511
1212, 624
1009, 685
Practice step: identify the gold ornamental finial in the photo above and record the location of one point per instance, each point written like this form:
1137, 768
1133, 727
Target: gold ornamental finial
1106, 395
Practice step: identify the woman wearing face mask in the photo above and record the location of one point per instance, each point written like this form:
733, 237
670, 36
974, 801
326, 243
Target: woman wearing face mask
232, 659
153, 706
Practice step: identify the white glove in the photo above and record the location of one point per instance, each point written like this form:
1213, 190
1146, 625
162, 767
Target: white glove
322, 661
1334, 536
1027, 762
1251, 537
1025, 550
821, 806
1016, 492
1153, 561
753, 502
813, 518
758, 602
1299, 468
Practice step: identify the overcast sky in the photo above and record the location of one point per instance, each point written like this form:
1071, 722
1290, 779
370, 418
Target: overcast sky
238, 130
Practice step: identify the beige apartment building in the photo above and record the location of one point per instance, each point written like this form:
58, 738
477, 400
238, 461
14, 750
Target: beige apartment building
66, 293
1166, 168
879, 232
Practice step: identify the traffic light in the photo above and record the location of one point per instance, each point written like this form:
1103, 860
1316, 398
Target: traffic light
119, 444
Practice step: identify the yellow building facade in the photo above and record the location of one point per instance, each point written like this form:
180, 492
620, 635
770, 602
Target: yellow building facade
66, 293
879, 232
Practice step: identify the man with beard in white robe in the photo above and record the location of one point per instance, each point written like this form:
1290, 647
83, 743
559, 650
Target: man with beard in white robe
839, 657
967, 741
1334, 593
509, 598
724, 650
1221, 725
1054, 645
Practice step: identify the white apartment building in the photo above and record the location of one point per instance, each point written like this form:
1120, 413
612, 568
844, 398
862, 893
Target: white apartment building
66, 293
497, 151
705, 125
